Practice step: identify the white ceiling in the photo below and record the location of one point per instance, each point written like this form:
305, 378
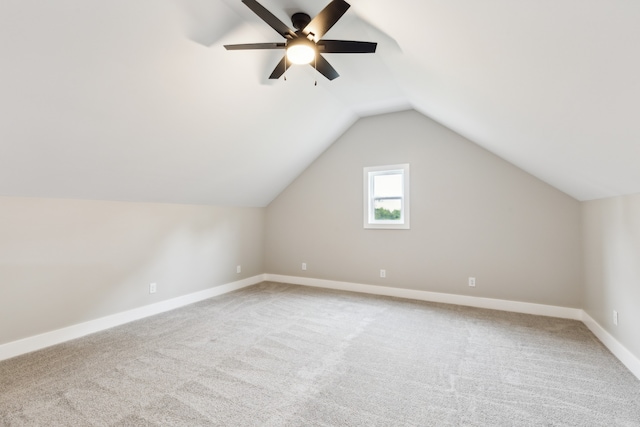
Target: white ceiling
138, 100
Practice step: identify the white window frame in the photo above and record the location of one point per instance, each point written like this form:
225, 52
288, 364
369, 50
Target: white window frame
369, 202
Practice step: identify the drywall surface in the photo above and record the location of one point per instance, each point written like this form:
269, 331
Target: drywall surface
472, 214
63, 262
612, 266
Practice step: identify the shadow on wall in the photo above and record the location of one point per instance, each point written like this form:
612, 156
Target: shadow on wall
611, 230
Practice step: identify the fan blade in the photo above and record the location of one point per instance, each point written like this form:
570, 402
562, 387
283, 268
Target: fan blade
270, 19
255, 46
346, 46
325, 19
323, 66
282, 66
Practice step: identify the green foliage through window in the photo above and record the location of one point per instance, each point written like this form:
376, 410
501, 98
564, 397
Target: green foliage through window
382, 213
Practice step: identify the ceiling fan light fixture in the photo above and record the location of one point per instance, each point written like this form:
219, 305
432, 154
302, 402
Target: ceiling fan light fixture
300, 52
306, 43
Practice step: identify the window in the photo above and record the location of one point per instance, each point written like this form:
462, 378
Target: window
386, 196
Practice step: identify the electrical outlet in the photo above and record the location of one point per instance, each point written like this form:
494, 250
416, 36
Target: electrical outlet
304, 265
239, 269
472, 282
383, 273
615, 317
152, 288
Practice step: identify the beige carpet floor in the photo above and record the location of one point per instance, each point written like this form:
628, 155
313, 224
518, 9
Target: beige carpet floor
282, 355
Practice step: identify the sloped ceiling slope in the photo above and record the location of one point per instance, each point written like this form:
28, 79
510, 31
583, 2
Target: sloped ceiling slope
138, 100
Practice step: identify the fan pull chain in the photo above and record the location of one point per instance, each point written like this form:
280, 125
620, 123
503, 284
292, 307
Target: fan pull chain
315, 66
284, 74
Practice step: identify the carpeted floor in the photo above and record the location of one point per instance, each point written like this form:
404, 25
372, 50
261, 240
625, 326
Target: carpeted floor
282, 355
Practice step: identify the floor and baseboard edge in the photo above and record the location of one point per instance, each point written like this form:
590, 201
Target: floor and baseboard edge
471, 301
47, 339
620, 351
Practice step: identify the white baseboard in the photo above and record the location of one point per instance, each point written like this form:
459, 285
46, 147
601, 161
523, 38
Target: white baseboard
627, 358
58, 336
490, 303
47, 339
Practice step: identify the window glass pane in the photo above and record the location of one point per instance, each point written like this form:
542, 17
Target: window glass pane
386, 197
387, 185
387, 209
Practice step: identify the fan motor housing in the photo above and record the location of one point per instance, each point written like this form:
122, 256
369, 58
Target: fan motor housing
300, 20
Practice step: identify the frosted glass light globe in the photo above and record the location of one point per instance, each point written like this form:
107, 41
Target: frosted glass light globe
300, 54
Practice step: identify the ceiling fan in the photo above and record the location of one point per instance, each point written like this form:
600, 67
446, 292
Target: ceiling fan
305, 44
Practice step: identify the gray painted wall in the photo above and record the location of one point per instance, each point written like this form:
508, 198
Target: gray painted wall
63, 262
612, 266
472, 214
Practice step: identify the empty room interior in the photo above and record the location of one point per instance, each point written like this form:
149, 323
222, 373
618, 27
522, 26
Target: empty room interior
432, 220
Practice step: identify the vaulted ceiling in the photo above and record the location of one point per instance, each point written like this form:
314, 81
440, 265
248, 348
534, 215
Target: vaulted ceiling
138, 100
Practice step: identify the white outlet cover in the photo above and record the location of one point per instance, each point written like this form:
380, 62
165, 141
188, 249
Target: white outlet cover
152, 288
239, 269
